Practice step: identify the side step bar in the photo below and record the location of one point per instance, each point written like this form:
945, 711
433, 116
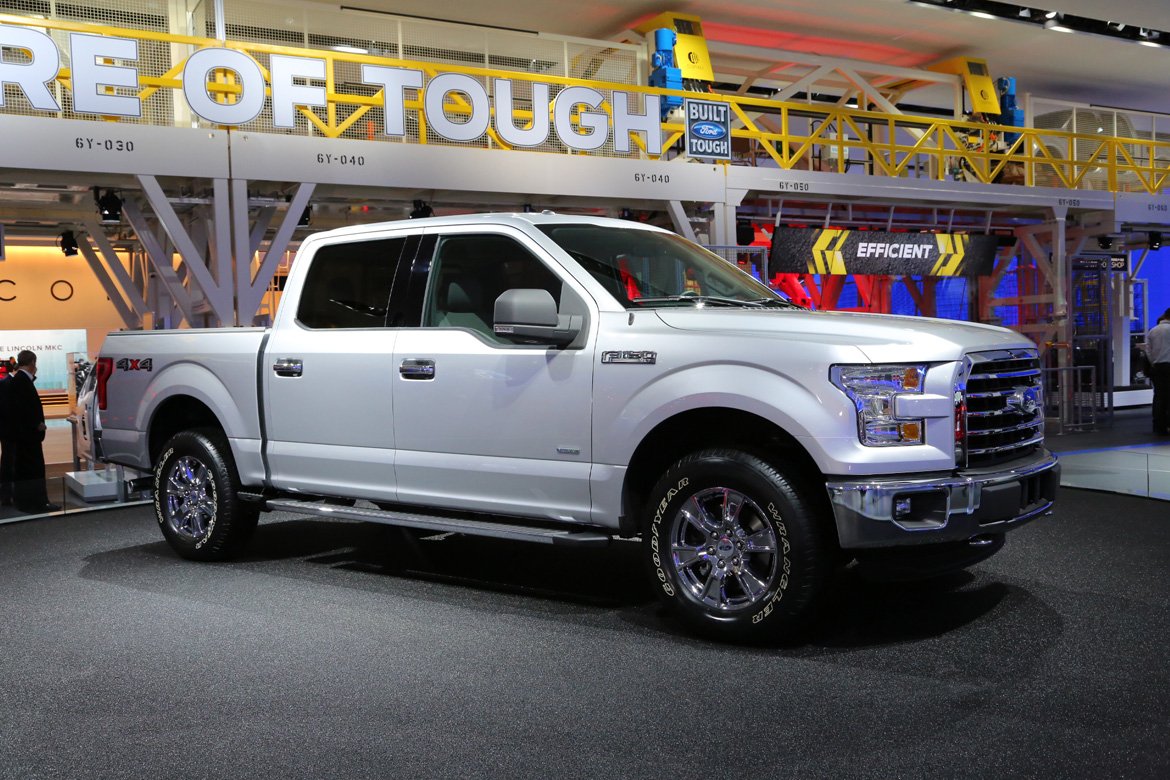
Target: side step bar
498, 530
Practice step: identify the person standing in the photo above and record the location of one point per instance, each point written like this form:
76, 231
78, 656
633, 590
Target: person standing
7, 447
25, 427
1158, 353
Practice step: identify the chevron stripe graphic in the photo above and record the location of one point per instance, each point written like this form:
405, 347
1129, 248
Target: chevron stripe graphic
826, 252
952, 249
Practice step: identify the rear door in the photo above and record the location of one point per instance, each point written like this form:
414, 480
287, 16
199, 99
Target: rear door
329, 375
483, 423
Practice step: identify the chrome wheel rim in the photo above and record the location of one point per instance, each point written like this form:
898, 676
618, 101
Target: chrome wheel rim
190, 498
724, 550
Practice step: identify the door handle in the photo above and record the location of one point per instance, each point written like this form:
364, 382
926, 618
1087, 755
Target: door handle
288, 367
417, 368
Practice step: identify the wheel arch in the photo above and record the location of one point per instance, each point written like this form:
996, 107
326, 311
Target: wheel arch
705, 428
175, 414
185, 396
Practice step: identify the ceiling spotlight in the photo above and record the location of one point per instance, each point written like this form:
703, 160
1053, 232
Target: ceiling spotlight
422, 210
109, 206
1025, 13
1118, 26
1155, 241
1105, 242
306, 216
1050, 15
1149, 35
68, 243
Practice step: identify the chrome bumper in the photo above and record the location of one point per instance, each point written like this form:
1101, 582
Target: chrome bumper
888, 511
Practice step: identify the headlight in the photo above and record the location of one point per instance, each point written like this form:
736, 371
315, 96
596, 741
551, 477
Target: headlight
873, 390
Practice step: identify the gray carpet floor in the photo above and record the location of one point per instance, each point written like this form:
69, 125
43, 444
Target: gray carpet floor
334, 650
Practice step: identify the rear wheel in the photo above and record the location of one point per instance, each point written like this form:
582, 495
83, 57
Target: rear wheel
736, 545
196, 497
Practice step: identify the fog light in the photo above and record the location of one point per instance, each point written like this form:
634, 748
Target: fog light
901, 507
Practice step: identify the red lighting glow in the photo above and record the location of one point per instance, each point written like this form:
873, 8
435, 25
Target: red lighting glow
812, 44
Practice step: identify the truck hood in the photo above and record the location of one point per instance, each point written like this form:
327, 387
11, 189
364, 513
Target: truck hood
882, 338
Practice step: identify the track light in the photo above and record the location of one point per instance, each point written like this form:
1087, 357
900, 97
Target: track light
68, 243
1050, 15
1148, 34
1104, 242
306, 217
1155, 241
1118, 26
422, 210
109, 206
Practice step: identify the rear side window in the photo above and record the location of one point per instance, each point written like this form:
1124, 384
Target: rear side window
349, 285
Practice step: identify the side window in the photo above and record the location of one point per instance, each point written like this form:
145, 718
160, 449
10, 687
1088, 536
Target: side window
348, 285
469, 272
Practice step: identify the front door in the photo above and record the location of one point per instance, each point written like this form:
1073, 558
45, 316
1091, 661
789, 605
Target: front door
482, 423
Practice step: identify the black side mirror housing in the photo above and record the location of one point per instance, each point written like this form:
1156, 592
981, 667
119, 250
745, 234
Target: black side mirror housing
530, 315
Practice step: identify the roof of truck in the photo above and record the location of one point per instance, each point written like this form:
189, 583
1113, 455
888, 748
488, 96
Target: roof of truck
516, 219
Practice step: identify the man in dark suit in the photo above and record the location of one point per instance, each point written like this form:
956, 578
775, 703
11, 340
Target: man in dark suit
7, 448
24, 427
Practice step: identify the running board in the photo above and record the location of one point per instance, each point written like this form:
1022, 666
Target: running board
451, 525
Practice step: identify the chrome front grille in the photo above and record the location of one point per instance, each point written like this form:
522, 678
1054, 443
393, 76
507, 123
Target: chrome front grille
1003, 404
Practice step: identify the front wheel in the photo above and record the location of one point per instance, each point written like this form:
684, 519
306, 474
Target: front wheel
195, 497
736, 546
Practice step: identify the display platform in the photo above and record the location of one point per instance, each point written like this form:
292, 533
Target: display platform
93, 485
1140, 470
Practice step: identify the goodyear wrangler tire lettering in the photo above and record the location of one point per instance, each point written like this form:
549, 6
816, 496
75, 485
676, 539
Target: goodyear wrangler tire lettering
195, 497
738, 546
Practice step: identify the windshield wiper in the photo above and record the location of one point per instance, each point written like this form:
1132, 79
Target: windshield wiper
776, 303
695, 299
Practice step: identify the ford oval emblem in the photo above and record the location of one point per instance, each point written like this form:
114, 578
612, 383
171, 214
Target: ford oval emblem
712, 130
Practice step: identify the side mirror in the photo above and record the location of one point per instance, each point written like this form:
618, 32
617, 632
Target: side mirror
531, 315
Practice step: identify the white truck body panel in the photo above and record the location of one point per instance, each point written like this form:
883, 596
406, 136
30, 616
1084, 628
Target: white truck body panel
217, 366
528, 430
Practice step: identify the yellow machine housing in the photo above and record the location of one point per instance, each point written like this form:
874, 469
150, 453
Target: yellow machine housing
690, 50
976, 78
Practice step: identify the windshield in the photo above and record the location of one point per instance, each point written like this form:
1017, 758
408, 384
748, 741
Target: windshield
648, 268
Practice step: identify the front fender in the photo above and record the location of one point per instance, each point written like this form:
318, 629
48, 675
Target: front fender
809, 410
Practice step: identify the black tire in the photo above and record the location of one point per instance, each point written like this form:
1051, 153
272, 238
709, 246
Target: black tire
196, 497
726, 520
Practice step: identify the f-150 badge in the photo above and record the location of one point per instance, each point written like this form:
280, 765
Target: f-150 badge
642, 356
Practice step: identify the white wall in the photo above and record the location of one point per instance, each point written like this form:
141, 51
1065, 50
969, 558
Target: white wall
30, 276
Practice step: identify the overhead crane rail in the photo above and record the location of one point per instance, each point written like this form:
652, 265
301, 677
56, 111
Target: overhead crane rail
809, 137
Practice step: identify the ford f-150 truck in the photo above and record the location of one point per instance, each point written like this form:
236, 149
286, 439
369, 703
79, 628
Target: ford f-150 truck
571, 380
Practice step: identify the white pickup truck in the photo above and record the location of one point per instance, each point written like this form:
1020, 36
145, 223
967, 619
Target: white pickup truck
569, 380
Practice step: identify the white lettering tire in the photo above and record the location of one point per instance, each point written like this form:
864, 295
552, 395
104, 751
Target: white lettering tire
737, 548
195, 497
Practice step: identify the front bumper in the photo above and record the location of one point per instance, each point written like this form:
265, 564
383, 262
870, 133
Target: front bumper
889, 511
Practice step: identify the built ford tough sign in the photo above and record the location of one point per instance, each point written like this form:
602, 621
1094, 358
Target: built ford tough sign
569, 380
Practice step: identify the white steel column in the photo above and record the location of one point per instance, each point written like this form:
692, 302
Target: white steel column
121, 278
219, 294
160, 260
682, 223
251, 295
128, 316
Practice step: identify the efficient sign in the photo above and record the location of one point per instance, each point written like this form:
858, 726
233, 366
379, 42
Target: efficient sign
838, 251
708, 129
582, 118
